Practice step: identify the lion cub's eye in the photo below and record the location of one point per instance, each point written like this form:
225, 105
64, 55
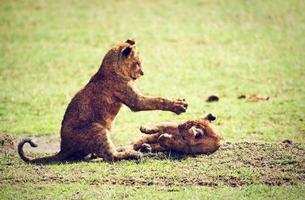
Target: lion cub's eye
198, 133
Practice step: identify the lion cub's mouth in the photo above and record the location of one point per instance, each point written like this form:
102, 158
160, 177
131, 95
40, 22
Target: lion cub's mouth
135, 77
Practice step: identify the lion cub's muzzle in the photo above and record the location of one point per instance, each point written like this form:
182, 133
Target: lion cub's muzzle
141, 72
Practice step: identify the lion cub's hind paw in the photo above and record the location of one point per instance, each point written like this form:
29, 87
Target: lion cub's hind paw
134, 155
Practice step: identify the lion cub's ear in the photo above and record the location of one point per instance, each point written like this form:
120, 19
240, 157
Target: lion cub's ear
126, 51
131, 41
210, 117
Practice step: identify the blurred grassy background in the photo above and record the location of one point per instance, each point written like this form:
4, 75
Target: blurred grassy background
192, 49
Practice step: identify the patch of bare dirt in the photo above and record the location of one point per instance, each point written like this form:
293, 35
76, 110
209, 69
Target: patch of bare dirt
7, 145
49, 145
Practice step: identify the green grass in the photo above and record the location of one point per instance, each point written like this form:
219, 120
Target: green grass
270, 172
80, 191
191, 49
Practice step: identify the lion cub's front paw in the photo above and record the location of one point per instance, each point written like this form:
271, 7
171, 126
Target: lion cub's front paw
164, 137
179, 106
145, 148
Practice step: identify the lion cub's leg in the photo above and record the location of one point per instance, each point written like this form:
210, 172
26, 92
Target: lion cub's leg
165, 140
147, 130
156, 147
149, 144
165, 127
148, 139
104, 148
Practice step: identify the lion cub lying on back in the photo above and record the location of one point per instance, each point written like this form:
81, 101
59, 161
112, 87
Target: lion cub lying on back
193, 136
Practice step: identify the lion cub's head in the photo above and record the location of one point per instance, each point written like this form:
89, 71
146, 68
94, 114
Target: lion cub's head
122, 60
201, 135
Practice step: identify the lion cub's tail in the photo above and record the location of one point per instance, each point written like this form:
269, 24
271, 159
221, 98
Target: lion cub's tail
49, 159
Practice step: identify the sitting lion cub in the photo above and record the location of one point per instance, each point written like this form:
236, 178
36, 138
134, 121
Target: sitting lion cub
193, 136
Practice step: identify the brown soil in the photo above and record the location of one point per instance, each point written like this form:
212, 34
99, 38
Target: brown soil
273, 163
45, 144
7, 145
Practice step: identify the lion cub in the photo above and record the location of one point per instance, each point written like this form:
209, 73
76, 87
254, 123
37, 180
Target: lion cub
88, 119
193, 136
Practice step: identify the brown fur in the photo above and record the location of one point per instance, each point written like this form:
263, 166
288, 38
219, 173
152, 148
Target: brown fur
193, 136
88, 119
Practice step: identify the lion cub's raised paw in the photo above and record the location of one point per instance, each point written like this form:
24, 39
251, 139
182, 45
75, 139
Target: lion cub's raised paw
146, 130
179, 106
